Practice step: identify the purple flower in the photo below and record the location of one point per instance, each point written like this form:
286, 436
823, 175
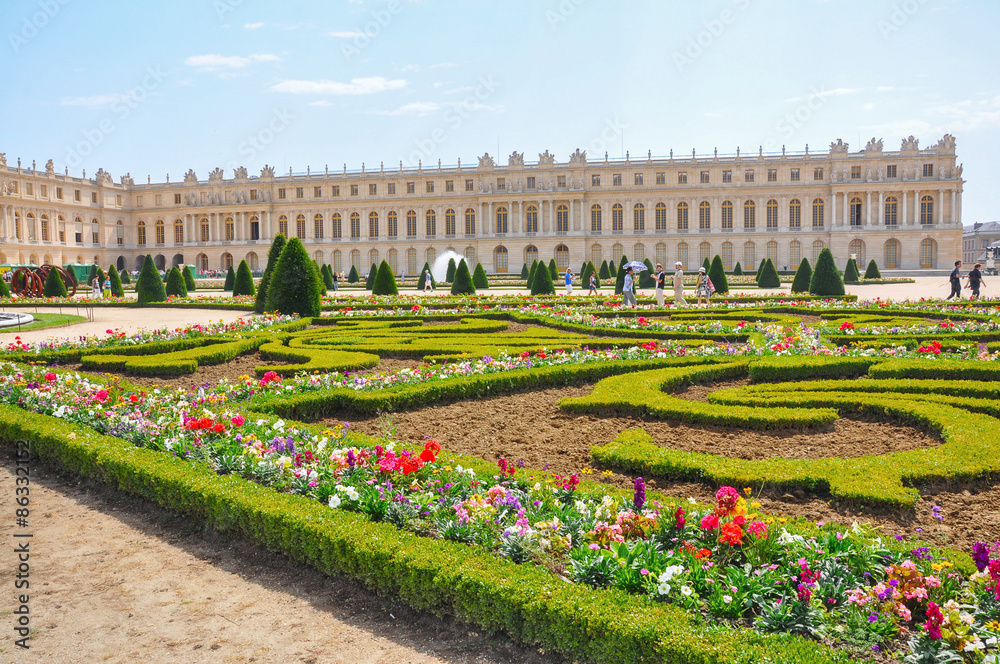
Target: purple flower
639, 499
981, 556
873, 618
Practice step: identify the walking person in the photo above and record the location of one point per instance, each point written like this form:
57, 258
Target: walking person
661, 281
569, 281
956, 281
704, 287
95, 288
107, 286
975, 280
336, 283
679, 285
593, 284
428, 284
627, 295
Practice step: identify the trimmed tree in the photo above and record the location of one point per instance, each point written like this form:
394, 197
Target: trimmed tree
450, 275
769, 276
717, 274
385, 281
295, 284
116, 282
230, 279
188, 278
54, 285
604, 273
462, 283
372, 273
149, 286
803, 275
542, 284
273, 254
125, 277
588, 270
353, 277
328, 276
92, 275
4, 289
425, 270
101, 277
825, 278
707, 264
760, 267
872, 271
524, 271
738, 270
531, 275
620, 276
647, 278
593, 271
479, 279
175, 283
243, 285
612, 270
553, 270
851, 274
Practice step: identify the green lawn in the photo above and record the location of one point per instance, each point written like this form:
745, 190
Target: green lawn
45, 320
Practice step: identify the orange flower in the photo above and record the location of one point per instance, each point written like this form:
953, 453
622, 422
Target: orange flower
731, 534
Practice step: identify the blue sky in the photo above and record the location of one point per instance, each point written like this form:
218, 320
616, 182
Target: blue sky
207, 83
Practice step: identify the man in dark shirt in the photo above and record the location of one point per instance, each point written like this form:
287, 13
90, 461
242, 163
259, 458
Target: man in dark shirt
956, 281
975, 280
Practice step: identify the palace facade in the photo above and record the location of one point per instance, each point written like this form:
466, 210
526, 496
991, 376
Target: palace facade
902, 208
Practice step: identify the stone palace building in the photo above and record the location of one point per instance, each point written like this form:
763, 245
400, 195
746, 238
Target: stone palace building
902, 208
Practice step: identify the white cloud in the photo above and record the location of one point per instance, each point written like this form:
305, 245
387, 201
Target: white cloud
426, 107
215, 62
253, 26
822, 93
347, 34
93, 100
410, 68
867, 107
969, 114
356, 86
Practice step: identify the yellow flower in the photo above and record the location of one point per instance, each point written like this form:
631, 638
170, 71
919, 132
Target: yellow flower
586, 471
755, 504
607, 473
747, 491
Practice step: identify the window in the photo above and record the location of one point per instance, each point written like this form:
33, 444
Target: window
231, 228
500, 259
617, 218
772, 252
661, 216
617, 251
530, 254
449, 185
335, 190
161, 232
449, 223
300, 226
704, 251
562, 257
93, 196
411, 224
748, 175
531, 182
501, 216
818, 247
355, 190
355, 225
469, 185
890, 171
595, 181
926, 210
318, 226
29, 190
705, 216
411, 260
119, 231
205, 231
299, 193
562, 219
281, 194
855, 211
639, 217
392, 257
928, 252
392, 222
727, 215
254, 228
727, 177
59, 195
794, 254
373, 225
638, 179
818, 213
682, 217
76, 193
531, 219
891, 251
772, 215
639, 252
818, 173
595, 254
749, 216
317, 192
429, 187
177, 199
372, 189
682, 253
470, 221
561, 181
336, 226
253, 194
749, 253
616, 179
178, 231
660, 253
891, 209
855, 172
704, 177
727, 255
44, 221
682, 177
772, 175
391, 188
856, 248
661, 178
795, 214
928, 170
595, 218
501, 184
356, 259
411, 187
794, 175
430, 219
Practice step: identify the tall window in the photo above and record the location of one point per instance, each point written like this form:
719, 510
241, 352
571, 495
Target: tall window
595, 218
502, 219
470, 256
300, 226
254, 228
749, 216
928, 252
639, 217
795, 214
617, 218
231, 228
891, 254
595, 254
355, 225
926, 212
411, 224
411, 260
531, 219
661, 216
227, 260
772, 252
318, 226
818, 213
705, 216
855, 211
392, 223
393, 259
794, 254
449, 222
682, 253
500, 259
562, 257
727, 215
562, 219
704, 251
891, 210
356, 259
140, 233
749, 254
818, 246
772, 215
373, 258
857, 249
617, 251
727, 255
45, 227
431, 223
661, 253
470, 221
530, 254
178, 231
336, 223
682, 216
373, 224
338, 261
161, 232
639, 252
282, 225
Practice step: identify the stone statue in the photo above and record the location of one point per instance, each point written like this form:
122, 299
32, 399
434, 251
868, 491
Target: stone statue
267, 171
50, 168
127, 180
103, 177
910, 144
515, 159
190, 176
578, 157
957, 173
3, 160
946, 144
216, 175
839, 147
240, 173
873, 145
546, 158
868, 174
880, 178
486, 161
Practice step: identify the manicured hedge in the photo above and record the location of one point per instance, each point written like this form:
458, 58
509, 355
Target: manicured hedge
311, 358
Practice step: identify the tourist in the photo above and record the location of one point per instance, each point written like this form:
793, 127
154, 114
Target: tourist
956, 281
661, 281
627, 295
95, 288
704, 287
679, 285
593, 284
975, 280
569, 281
107, 286
336, 282
428, 282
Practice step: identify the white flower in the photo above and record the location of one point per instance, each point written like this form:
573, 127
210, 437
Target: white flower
670, 572
686, 591
692, 500
334, 501
280, 424
727, 599
663, 589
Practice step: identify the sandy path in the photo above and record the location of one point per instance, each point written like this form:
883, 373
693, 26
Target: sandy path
115, 579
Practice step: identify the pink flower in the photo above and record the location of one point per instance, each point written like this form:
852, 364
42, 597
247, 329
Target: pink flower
710, 522
238, 420
726, 498
50, 376
758, 529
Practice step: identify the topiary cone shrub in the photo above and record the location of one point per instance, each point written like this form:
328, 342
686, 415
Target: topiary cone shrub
479, 279
531, 275
54, 285
462, 283
273, 254
524, 271
149, 286
604, 272
803, 276
295, 285
620, 276
738, 270
760, 267
826, 280
328, 276
553, 270
243, 285
4, 290
175, 283
541, 284
707, 264
370, 279
717, 274
872, 271
450, 275
125, 277
647, 278
385, 281
425, 270
116, 282
230, 279
188, 279
851, 274
353, 277
768, 276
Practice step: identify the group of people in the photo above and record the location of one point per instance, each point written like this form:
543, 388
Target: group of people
704, 288
96, 289
973, 281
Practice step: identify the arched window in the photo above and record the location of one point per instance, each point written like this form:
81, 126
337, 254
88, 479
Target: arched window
501, 219
772, 252
562, 219
470, 257
682, 253
727, 215
705, 216
595, 218
794, 254
430, 219
470, 221
530, 254
818, 206
95, 229
682, 217
661, 253
253, 262
373, 258
639, 252
392, 257
31, 226
300, 226
818, 247
373, 224
231, 228
772, 215
356, 260
178, 231
928, 252
254, 228
431, 255
227, 260
202, 262
749, 253
891, 211
45, 227
892, 249
318, 257
500, 259
617, 251
282, 225
704, 251
336, 224
596, 255
338, 261
856, 248
749, 216
727, 255
660, 212
411, 261
855, 211
795, 214
638, 217
617, 218
411, 224
140, 233
531, 219
562, 257
355, 225
119, 232
449, 223
318, 226
161, 232
926, 213
392, 221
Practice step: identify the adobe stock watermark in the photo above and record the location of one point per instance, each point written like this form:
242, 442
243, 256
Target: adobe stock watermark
900, 15
710, 32
562, 12
454, 117
225, 7
609, 136
122, 107
798, 117
361, 38
256, 142
35, 22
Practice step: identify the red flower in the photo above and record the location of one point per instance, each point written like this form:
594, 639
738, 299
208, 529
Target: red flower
710, 521
432, 445
50, 376
702, 553
219, 428
731, 534
427, 456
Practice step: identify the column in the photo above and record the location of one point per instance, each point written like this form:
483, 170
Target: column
3, 221
515, 219
847, 209
511, 219
265, 220
954, 206
906, 220
833, 211
572, 215
490, 221
545, 212
940, 206
868, 208
881, 208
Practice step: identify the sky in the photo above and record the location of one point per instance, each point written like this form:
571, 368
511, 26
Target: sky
157, 89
